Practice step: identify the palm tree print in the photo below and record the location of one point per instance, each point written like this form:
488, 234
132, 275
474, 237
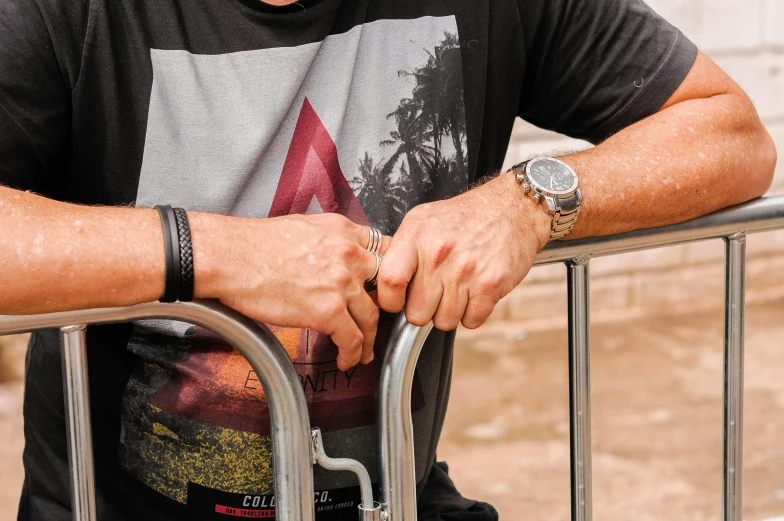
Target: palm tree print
427, 150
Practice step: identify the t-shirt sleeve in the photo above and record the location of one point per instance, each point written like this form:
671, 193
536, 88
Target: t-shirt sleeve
594, 67
34, 99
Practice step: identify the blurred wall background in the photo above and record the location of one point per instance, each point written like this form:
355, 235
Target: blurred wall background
746, 39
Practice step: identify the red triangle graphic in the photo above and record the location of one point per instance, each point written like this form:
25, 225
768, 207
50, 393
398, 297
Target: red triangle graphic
312, 170
215, 385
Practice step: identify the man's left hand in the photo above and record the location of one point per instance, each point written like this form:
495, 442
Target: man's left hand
451, 261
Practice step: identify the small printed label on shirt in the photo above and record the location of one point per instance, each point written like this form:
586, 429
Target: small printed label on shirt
205, 503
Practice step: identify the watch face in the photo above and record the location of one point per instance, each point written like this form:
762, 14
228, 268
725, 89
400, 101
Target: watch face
552, 176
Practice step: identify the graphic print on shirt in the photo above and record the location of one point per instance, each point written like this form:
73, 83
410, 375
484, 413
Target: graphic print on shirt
367, 124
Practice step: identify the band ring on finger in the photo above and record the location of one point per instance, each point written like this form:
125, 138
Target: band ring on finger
371, 282
374, 239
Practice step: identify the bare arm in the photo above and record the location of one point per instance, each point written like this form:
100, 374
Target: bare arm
295, 271
59, 256
704, 150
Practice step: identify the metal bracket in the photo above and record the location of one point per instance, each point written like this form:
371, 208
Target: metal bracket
369, 510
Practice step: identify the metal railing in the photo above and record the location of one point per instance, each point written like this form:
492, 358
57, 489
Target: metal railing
296, 448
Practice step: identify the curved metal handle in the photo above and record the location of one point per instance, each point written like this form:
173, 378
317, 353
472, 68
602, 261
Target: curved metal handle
395, 425
350, 465
289, 430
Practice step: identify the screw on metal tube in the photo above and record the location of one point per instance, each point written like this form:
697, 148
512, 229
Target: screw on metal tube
372, 514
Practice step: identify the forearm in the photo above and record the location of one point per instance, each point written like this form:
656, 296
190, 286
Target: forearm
303, 271
687, 160
57, 256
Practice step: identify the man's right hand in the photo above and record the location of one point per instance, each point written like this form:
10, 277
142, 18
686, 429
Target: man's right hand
303, 271
298, 271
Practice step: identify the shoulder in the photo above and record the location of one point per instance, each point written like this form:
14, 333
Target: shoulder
65, 23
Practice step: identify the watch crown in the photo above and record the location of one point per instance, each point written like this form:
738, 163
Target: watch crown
537, 197
526, 187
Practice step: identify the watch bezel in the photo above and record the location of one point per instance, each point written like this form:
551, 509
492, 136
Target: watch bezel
560, 194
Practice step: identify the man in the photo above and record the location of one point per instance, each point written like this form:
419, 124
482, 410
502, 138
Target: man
322, 116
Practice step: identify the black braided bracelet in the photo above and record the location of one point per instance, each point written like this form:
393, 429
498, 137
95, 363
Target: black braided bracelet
186, 255
171, 289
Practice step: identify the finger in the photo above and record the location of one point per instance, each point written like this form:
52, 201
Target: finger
477, 311
386, 240
399, 266
451, 308
365, 314
348, 337
368, 263
362, 235
424, 294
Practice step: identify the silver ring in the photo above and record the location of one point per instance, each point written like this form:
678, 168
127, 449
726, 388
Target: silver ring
371, 282
374, 239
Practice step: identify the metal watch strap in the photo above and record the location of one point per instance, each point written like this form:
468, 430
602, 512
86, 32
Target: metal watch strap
565, 216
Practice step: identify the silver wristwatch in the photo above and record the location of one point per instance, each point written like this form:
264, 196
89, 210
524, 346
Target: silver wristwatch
551, 180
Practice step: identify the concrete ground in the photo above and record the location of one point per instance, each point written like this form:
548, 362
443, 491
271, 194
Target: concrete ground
657, 419
657, 410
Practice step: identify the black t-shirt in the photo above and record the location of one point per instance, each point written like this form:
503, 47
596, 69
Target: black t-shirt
366, 108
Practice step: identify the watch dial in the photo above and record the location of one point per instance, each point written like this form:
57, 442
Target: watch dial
552, 176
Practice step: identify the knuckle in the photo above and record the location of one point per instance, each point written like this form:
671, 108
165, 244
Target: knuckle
414, 222
392, 279
445, 323
480, 308
414, 214
490, 283
417, 318
464, 268
323, 325
332, 306
346, 249
472, 322
373, 316
355, 344
441, 251
342, 277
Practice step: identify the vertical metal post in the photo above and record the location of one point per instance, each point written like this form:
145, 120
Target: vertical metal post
397, 472
734, 293
78, 427
579, 389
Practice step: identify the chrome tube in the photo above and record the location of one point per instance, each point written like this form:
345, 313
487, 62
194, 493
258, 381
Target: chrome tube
79, 434
395, 426
735, 274
579, 390
760, 215
346, 464
290, 429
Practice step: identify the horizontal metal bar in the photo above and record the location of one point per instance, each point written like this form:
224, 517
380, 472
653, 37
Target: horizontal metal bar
760, 215
289, 423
